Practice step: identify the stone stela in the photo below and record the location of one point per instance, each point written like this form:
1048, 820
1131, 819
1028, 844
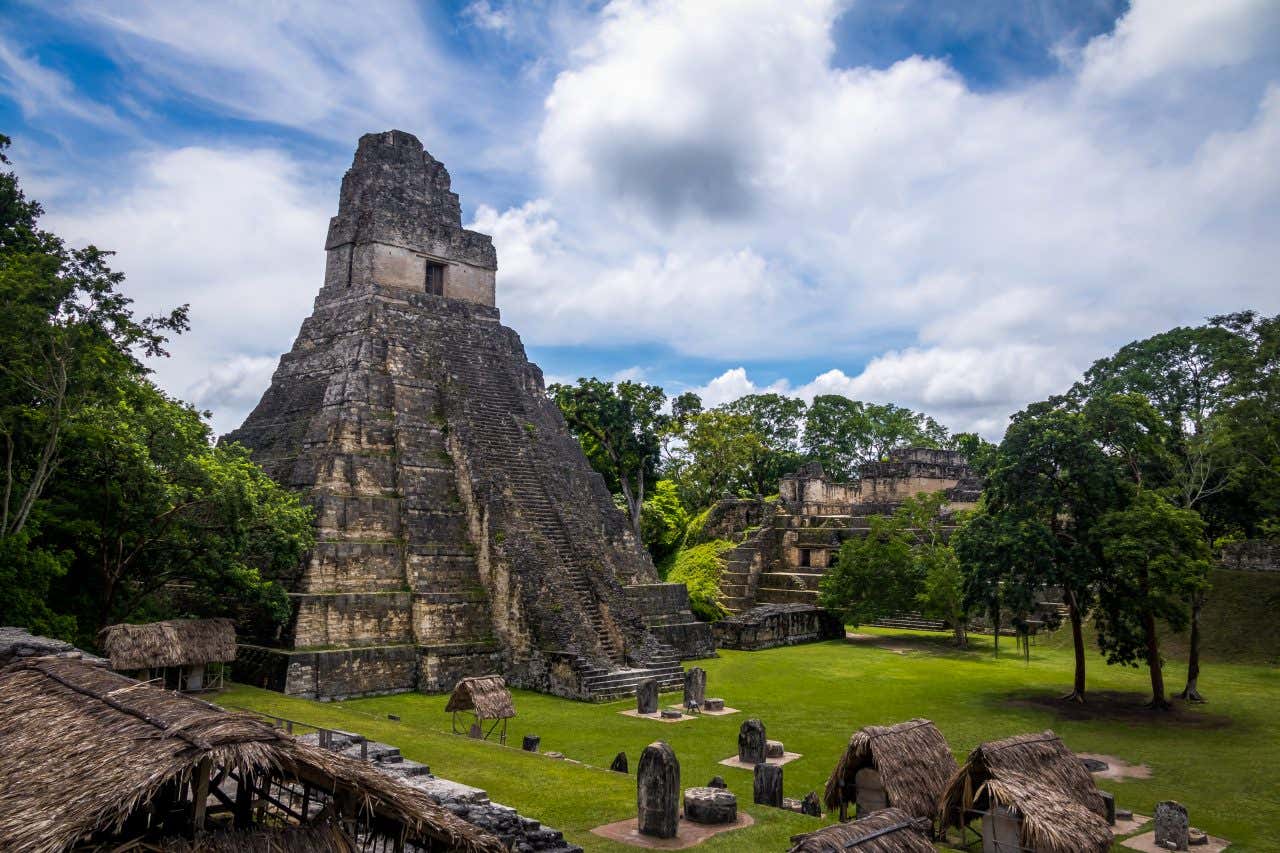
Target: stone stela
752, 743
658, 791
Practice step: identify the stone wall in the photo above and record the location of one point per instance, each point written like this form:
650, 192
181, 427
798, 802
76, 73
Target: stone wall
664, 609
1254, 555
771, 625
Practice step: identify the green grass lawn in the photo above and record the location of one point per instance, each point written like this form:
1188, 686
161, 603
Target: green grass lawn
1221, 759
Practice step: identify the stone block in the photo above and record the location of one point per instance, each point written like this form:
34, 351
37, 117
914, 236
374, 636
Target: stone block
717, 782
530, 743
811, 805
710, 805
713, 705
619, 764
773, 749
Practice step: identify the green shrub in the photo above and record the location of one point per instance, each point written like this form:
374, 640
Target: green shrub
698, 568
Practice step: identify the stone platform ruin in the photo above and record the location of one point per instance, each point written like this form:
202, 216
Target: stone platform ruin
460, 529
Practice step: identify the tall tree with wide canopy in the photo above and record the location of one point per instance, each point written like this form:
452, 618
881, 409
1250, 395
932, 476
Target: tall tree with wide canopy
1051, 474
1155, 558
619, 428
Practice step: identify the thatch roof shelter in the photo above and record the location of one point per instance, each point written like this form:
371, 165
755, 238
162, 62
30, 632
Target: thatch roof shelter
173, 642
90, 757
1041, 784
483, 698
886, 831
913, 761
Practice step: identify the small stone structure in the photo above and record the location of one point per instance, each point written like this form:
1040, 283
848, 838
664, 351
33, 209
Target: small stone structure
619, 764
647, 697
695, 686
658, 791
773, 749
717, 782
811, 805
1173, 826
769, 626
530, 743
713, 705
710, 805
752, 742
767, 788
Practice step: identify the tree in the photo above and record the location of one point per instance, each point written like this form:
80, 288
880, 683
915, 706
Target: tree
716, 456
775, 420
157, 518
619, 428
1156, 557
874, 575
1002, 557
67, 335
663, 521
1051, 474
843, 434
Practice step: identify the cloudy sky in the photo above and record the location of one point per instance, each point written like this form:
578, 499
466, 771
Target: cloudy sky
951, 206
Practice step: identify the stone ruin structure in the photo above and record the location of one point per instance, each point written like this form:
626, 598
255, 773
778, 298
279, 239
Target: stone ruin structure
460, 529
658, 791
770, 579
787, 545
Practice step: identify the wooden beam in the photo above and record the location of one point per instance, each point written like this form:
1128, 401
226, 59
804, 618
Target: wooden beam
200, 794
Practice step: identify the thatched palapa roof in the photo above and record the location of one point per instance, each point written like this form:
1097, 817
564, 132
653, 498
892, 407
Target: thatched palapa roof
486, 695
884, 831
82, 748
294, 839
1039, 778
913, 759
174, 642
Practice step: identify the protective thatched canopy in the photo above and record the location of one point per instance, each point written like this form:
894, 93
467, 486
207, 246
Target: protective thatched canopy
174, 642
1043, 782
82, 749
886, 831
485, 695
913, 760
294, 839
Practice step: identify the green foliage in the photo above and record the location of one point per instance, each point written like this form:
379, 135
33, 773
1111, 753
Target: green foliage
716, 457
698, 567
115, 505
619, 428
775, 422
843, 434
663, 521
1156, 559
903, 562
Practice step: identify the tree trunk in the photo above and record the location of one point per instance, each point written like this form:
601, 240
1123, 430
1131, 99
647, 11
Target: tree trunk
1191, 692
995, 631
1077, 642
633, 505
1158, 700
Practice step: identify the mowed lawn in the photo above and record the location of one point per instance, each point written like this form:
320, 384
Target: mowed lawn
1221, 759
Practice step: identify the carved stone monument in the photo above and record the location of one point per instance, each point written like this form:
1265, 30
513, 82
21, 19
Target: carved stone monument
647, 697
695, 686
713, 705
619, 764
658, 791
751, 742
768, 785
811, 805
530, 743
1173, 826
710, 805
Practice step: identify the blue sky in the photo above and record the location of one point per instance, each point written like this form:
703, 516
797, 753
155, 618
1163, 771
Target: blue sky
955, 207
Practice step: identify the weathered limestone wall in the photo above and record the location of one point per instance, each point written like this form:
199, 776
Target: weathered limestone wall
1254, 555
771, 625
664, 609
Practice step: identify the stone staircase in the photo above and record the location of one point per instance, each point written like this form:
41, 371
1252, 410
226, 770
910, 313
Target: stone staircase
911, 620
497, 409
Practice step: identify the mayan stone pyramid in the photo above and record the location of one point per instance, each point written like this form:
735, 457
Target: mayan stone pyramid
460, 529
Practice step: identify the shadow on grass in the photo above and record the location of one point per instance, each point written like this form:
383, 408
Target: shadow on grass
938, 645
1113, 706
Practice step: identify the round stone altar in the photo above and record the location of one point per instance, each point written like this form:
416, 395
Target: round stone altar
710, 805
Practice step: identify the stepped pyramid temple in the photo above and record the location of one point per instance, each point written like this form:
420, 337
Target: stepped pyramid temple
460, 530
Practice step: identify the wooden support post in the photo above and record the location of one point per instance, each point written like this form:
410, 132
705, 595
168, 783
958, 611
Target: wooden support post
244, 801
200, 794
